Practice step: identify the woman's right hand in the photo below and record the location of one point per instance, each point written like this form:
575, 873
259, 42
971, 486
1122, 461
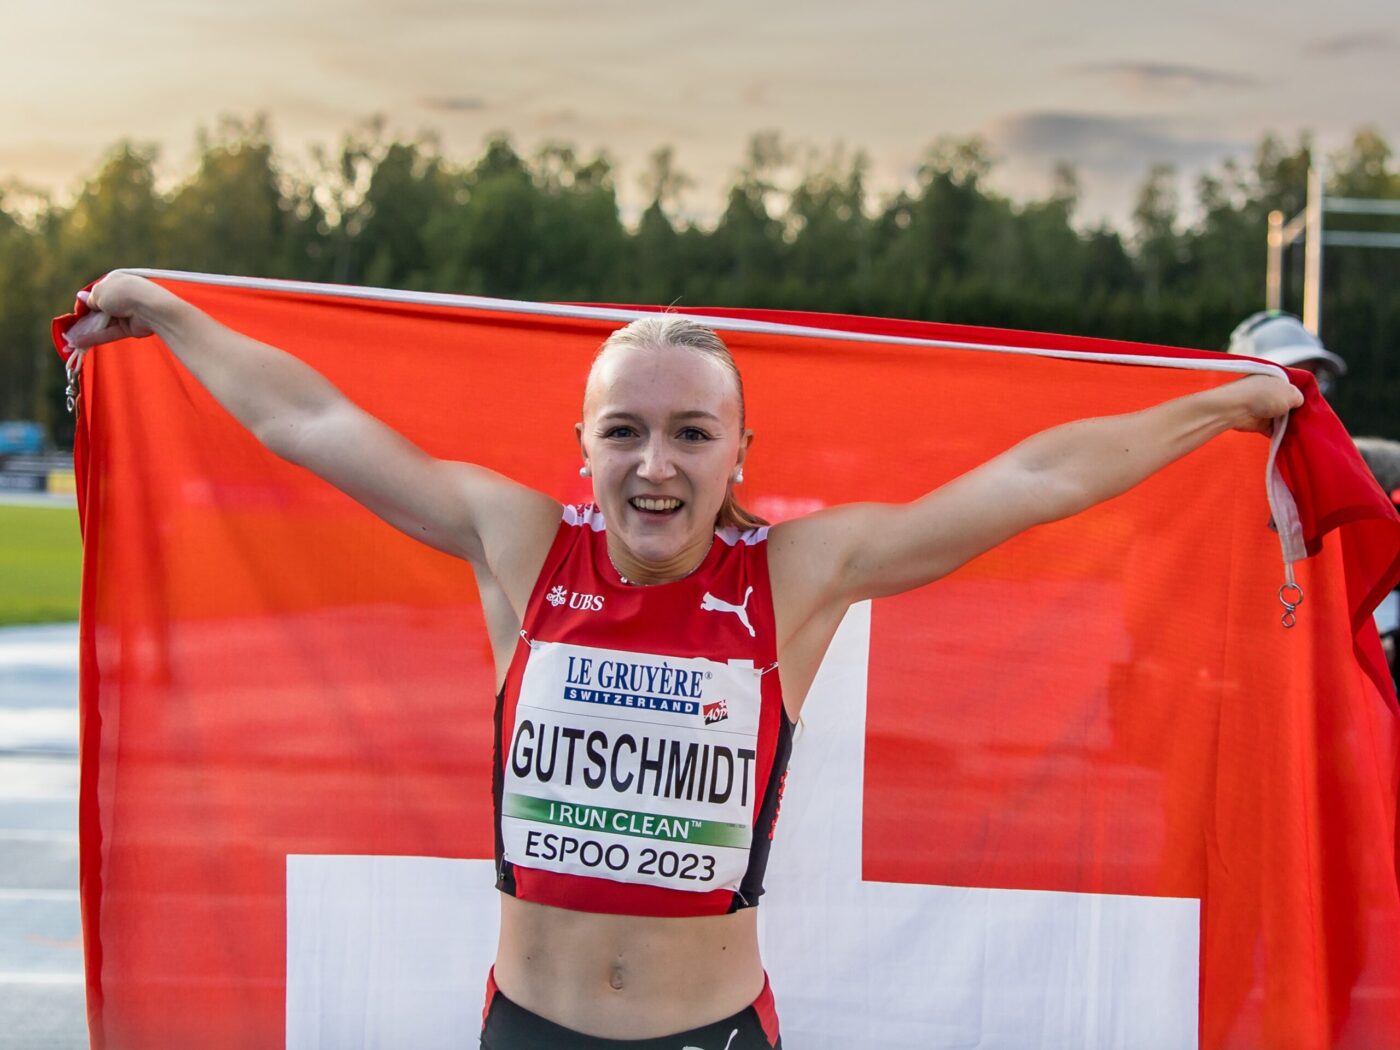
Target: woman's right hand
121, 296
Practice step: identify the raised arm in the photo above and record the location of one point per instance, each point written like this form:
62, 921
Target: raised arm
871, 550
298, 414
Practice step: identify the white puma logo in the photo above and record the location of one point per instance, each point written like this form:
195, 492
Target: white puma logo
712, 604
732, 1034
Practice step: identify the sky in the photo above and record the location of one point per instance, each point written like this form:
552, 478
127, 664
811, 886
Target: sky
1110, 87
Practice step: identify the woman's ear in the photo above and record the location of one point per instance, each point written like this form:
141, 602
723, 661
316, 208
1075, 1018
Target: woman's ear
745, 443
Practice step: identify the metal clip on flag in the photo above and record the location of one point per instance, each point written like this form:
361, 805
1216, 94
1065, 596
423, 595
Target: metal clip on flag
1288, 525
86, 325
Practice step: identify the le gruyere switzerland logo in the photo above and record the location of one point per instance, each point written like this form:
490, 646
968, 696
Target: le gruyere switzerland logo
640, 684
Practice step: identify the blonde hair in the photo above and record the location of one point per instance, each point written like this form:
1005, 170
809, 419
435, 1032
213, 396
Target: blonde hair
656, 330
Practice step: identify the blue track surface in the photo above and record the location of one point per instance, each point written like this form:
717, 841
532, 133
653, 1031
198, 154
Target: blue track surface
41, 989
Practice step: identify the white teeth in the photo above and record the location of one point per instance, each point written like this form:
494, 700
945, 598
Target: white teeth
655, 504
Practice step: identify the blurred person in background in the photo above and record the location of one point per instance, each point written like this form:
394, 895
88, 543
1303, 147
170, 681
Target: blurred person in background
1280, 338
1272, 335
1383, 457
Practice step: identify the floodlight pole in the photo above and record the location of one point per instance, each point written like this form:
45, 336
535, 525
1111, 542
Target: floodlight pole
1307, 224
1312, 253
1273, 283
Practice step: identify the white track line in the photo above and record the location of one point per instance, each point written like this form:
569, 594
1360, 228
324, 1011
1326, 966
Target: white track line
76, 978
12, 894
27, 835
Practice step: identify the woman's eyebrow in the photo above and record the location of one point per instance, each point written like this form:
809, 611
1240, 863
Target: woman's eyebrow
632, 417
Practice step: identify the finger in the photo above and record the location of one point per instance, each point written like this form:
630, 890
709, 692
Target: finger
94, 329
94, 295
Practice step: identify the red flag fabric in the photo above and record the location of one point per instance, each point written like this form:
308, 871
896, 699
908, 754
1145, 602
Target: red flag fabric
1100, 793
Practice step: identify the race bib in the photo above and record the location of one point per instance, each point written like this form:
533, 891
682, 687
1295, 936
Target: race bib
633, 767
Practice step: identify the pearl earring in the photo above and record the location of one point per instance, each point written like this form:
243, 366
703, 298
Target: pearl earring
739, 476
584, 472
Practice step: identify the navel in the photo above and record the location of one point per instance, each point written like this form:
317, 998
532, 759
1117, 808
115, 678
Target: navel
616, 979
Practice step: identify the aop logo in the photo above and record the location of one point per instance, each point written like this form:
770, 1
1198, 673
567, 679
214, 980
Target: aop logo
716, 712
586, 602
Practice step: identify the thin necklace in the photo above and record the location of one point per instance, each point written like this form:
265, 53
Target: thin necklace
634, 583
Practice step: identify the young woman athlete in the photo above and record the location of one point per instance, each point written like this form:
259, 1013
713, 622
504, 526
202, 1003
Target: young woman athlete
610, 627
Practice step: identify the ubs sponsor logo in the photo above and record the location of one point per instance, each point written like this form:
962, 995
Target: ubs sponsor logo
576, 599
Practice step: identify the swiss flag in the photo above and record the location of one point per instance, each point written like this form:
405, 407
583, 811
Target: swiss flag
1087, 791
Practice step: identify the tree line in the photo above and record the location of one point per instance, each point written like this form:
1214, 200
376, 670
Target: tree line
798, 229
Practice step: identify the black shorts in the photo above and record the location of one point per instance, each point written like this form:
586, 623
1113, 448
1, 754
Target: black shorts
509, 1026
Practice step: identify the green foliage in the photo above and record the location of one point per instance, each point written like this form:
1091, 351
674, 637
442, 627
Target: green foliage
234, 215
799, 229
41, 560
21, 358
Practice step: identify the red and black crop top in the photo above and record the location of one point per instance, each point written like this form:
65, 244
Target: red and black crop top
641, 740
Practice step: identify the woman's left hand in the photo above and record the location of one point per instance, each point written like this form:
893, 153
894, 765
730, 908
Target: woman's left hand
1260, 400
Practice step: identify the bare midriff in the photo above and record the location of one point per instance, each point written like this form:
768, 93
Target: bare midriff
627, 976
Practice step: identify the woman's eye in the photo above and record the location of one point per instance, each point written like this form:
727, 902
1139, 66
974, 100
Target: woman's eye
694, 434
618, 432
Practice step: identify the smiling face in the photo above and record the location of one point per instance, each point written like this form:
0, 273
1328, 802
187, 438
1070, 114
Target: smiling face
663, 436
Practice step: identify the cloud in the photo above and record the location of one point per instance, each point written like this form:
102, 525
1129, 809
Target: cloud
48, 163
554, 119
452, 103
1164, 76
1345, 44
757, 93
1112, 145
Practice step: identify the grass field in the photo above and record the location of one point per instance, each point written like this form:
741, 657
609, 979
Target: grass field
40, 564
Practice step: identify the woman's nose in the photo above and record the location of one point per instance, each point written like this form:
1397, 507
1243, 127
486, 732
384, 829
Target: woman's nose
657, 464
